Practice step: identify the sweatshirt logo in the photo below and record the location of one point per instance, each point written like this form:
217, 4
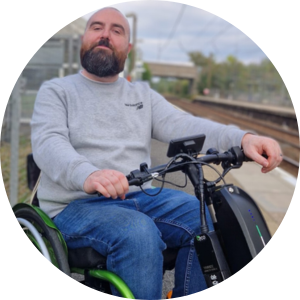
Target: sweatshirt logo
138, 105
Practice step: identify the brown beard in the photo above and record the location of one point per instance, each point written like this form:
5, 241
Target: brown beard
102, 62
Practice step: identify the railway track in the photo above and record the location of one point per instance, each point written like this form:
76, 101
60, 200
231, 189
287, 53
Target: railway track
288, 139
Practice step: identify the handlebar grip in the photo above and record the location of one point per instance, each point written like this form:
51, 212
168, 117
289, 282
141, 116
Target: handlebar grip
133, 181
247, 159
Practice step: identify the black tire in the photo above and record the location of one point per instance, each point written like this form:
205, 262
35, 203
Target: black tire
49, 234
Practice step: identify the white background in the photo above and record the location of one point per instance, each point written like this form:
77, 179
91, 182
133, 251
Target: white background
26, 25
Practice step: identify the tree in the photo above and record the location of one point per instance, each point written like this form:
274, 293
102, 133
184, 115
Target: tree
147, 76
232, 78
208, 65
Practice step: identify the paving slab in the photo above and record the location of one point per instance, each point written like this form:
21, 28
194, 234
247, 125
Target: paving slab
272, 192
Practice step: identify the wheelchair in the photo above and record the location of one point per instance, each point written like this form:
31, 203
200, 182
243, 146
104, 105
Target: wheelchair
91, 265
240, 230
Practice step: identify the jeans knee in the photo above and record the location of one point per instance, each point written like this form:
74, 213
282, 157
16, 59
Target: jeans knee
141, 234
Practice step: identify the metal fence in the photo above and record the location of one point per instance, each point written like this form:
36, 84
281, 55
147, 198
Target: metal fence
58, 57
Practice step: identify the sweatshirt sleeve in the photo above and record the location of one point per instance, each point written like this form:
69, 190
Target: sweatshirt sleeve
169, 123
51, 145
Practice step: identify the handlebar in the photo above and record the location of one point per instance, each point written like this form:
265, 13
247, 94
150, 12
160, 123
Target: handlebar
233, 158
192, 167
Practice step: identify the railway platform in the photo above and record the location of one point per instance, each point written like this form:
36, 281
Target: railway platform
268, 108
272, 192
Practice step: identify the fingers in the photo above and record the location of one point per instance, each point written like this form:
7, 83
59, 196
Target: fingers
257, 157
255, 146
274, 161
115, 184
109, 183
273, 151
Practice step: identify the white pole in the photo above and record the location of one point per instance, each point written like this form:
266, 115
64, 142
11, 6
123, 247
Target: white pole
14, 143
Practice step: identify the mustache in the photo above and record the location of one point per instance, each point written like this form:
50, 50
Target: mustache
104, 42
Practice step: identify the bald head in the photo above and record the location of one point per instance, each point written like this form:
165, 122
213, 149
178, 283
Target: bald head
113, 11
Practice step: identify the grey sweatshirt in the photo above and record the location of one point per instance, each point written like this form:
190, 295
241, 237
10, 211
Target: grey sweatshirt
80, 126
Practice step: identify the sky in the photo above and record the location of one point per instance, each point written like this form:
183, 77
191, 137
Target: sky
168, 31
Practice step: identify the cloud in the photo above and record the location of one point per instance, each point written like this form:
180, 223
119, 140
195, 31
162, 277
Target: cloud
160, 38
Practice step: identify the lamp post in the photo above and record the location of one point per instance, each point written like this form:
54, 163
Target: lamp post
133, 49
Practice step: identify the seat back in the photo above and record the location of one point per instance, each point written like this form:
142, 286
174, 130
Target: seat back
33, 173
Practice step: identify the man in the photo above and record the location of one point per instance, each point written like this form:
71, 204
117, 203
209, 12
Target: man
87, 134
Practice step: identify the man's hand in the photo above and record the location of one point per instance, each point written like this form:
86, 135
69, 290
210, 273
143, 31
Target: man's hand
109, 183
254, 146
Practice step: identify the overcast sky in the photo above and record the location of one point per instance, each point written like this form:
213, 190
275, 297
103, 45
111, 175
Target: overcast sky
168, 31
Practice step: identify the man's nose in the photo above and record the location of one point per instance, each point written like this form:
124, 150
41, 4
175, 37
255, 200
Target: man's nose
105, 33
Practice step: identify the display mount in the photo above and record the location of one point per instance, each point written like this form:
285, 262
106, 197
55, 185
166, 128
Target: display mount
190, 145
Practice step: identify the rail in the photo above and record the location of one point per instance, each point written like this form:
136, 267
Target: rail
288, 138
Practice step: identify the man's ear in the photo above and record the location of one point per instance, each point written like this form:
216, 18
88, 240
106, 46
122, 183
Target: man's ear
129, 48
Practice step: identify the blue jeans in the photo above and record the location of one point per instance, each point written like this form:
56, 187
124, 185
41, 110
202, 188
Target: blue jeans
134, 232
